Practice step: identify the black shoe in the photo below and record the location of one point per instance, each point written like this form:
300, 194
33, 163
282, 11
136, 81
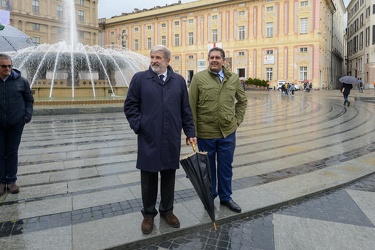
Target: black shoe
348, 104
231, 205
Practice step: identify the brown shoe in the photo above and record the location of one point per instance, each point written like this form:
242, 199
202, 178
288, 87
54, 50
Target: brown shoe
171, 220
13, 188
2, 189
147, 224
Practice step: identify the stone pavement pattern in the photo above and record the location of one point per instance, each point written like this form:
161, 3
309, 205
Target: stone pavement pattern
80, 188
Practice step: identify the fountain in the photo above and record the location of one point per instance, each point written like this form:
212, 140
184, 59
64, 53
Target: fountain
70, 70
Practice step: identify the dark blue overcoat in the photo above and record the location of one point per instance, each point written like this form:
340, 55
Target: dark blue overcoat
157, 112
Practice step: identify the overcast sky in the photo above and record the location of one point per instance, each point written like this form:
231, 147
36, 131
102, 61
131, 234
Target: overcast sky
110, 8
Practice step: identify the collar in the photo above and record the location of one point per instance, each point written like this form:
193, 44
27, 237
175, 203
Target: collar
164, 74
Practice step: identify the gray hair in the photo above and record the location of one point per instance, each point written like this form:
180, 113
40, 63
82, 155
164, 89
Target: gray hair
5, 56
165, 50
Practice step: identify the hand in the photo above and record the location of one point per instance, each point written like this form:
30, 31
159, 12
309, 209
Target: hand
191, 140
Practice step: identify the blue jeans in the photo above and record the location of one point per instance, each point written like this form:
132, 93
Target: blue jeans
346, 99
10, 139
220, 154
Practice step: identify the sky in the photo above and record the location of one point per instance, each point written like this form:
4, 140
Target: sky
110, 8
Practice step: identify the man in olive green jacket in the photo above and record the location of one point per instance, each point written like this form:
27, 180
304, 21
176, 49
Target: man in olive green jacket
218, 104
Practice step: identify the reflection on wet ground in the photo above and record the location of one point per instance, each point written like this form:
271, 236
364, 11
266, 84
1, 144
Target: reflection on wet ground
75, 169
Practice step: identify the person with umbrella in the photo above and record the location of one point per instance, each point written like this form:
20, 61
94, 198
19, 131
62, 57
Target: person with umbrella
347, 85
157, 108
16, 109
218, 104
345, 90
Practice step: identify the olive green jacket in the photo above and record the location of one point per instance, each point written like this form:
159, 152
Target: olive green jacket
218, 108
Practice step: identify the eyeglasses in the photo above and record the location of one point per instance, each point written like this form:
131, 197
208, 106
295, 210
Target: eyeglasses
6, 66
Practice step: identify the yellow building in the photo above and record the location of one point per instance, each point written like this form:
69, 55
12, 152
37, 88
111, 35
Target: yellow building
274, 40
44, 20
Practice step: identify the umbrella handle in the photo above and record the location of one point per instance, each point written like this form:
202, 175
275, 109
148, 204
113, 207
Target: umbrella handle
193, 146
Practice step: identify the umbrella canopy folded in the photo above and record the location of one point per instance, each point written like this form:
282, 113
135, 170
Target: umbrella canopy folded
348, 80
12, 39
197, 169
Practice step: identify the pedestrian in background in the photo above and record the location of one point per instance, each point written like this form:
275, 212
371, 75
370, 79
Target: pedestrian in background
157, 108
345, 90
16, 109
218, 104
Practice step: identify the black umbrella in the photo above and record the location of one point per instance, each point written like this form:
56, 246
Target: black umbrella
197, 169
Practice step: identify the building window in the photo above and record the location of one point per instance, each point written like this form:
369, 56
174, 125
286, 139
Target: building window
112, 33
163, 25
149, 43
269, 52
367, 36
36, 26
270, 8
81, 34
59, 10
164, 40
303, 49
177, 23
269, 74
241, 33
177, 40
81, 16
269, 30
241, 53
191, 20
135, 29
214, 36
191, 57
149, 27
81, 2
136, 45
177, 58
304, 3
214, 17
241, 13
302, 73
373, 34
36, 40
3, 3
304, 26
35, 7
191, 38
361, 40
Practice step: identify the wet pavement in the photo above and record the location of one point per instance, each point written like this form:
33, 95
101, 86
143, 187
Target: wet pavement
303, 175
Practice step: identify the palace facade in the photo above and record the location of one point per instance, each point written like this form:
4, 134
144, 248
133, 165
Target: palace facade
361, 41
273, 40
45, 20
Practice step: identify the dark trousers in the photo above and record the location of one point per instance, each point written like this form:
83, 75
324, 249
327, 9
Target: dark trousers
220, 150
149, 186
10, 139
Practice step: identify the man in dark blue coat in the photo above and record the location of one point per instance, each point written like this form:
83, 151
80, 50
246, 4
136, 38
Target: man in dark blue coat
16, 109
157, 108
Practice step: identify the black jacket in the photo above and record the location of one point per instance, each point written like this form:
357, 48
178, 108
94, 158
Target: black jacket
345, 88
16, 100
